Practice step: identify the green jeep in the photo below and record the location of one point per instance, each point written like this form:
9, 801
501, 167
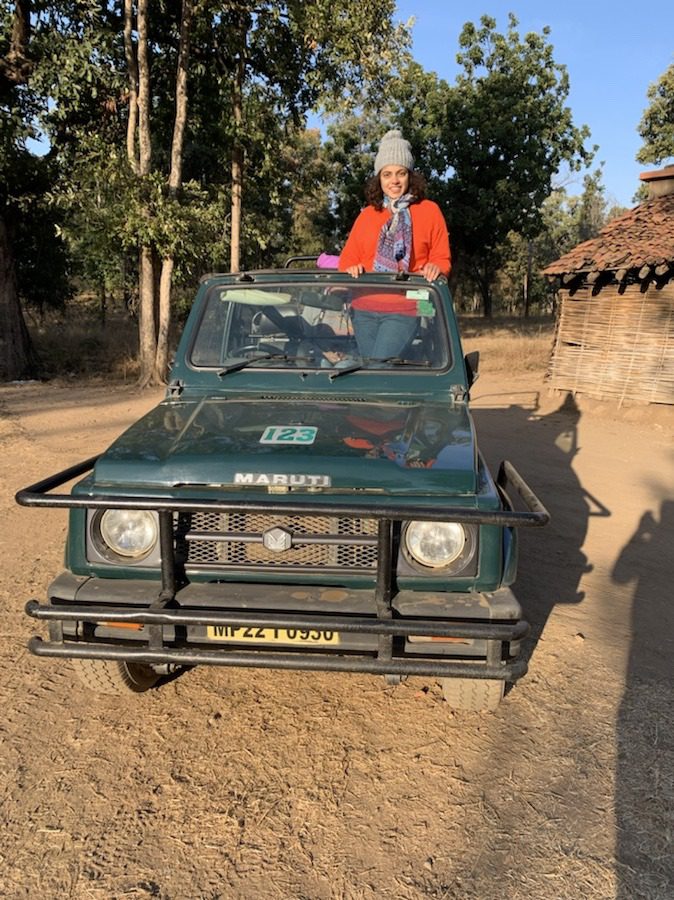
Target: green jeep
291, 504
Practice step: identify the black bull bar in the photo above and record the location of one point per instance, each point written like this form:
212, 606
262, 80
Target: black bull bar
163, 610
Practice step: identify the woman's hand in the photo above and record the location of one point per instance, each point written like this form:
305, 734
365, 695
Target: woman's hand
355, 271
430, 271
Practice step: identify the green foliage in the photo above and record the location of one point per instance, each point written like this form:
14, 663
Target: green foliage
293, 215
38, 254
349, 152
566, 222
507, 133
298, 55
41, 259
493, 142
490, 145
355, 48
657, 124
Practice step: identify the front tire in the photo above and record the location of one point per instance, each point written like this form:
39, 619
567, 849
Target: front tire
473, 694
108, 676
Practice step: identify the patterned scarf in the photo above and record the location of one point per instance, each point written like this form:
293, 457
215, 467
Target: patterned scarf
395, 238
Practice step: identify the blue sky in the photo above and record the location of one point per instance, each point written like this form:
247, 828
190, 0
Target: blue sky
613, 51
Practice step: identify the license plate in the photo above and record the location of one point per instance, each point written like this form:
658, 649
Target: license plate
251, 634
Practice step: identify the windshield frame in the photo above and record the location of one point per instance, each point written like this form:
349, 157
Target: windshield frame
354, 364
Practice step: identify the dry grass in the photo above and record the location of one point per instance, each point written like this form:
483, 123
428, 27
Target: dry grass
79, 342
509, 344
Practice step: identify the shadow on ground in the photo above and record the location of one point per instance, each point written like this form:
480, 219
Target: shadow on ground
644, 787
552, 560
552, 564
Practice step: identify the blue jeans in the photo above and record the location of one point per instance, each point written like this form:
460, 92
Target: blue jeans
380, 335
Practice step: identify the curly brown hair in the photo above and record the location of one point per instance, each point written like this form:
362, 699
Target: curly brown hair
375, 196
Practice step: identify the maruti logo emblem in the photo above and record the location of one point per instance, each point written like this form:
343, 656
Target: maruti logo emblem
277, 539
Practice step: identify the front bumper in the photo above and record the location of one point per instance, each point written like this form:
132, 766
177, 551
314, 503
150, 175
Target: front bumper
91, 618
160, 623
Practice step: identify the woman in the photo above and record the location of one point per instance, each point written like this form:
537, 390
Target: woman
399, 231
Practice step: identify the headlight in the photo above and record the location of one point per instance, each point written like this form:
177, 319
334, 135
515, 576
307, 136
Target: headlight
435, 544
131, 533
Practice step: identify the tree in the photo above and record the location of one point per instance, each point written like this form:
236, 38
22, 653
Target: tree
33, 261
304, 222
277, 60
120, 90
303, 54
489, 145
657, 124
349, 152
154, 293
17, 358
508, 132
144, 174
252, 73
566, 222
493, 141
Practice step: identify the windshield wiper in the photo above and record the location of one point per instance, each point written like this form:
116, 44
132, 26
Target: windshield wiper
244, 363
393, 360
346, 370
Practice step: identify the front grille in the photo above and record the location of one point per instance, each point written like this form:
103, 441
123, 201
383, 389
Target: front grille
236, 540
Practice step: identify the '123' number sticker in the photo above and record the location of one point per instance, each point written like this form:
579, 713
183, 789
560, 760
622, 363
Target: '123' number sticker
288, 434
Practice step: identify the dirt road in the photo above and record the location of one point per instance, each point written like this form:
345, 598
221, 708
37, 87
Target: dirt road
243, 784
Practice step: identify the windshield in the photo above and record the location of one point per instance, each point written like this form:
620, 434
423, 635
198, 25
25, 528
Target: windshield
340, 328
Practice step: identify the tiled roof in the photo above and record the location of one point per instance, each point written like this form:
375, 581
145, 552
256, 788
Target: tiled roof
642, 236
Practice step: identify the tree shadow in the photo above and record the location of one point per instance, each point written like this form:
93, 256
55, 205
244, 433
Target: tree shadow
542, 448
645, 734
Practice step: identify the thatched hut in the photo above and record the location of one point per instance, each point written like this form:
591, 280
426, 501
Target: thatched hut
615, 329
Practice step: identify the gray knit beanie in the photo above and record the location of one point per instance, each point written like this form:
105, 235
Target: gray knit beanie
394, 150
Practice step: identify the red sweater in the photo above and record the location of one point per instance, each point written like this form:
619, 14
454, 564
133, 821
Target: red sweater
430, 241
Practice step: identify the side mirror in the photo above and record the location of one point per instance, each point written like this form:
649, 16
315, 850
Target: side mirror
472, 361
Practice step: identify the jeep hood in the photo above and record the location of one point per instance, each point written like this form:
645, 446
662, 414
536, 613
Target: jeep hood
304, 444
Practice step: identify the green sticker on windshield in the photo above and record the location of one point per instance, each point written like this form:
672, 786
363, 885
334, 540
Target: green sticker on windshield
288, 434
425, 308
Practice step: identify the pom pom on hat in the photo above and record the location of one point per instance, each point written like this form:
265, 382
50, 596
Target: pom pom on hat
394, 150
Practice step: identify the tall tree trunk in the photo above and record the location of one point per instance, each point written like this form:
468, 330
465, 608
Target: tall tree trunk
161, 354
147, 343
144, 97
237, 193
486, 301
482, 278
103, 302
174, 184
146, 319
16, 66
237, 149
17, 358
132, 69
527, 279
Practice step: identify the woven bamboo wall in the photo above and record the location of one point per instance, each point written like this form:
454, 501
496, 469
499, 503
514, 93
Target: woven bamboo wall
616, 346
